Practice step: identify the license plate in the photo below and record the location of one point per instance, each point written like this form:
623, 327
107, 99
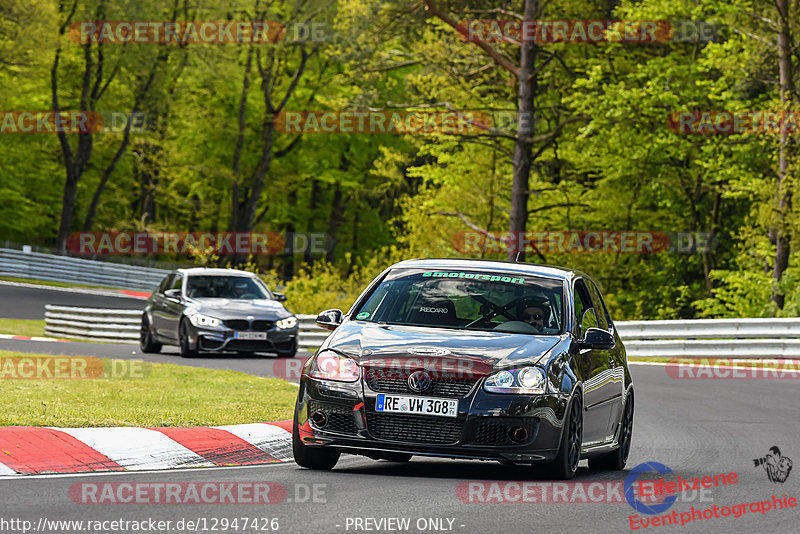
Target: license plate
417, 405
250, 335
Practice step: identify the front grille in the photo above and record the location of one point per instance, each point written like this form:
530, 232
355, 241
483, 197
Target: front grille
237, 324
248, 344
414, 429
340, 418
262, 326
397, 382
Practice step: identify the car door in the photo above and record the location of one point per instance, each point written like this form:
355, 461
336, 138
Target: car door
173, 308
598, 392
158, 306
616, 381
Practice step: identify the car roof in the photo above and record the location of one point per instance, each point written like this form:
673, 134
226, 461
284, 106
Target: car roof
205, 271
547, 271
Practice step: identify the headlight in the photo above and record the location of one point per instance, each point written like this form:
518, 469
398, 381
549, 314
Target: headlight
530, 380
289, 322
328, 365
198, 319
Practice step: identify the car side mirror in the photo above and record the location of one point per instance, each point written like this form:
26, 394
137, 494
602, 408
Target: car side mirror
330, 319
596, 338
173, 294
280, 297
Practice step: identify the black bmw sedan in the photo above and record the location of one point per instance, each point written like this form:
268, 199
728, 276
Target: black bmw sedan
469, 359
217, 310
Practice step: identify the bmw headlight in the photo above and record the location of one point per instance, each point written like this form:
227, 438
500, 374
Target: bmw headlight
289, 322
528, 380
198, 319
329, 365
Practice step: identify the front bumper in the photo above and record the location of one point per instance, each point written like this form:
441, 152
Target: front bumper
486, 427
223, 339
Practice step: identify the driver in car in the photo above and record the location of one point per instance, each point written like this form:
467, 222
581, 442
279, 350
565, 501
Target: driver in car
536, 312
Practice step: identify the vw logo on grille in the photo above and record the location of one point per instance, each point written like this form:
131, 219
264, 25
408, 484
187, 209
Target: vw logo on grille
419, 381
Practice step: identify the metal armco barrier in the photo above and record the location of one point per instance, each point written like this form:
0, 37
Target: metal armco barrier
702, 338
39, 266
117, 326
712, 338
122, 326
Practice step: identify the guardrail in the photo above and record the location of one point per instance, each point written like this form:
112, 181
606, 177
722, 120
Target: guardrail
39, 266
712, 338
703, 338
122, 326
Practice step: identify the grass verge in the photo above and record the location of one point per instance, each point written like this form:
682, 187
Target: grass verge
22, 327
157, 395
51, 283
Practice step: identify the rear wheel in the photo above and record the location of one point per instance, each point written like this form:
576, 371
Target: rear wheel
183, 339
312, 457
616, 459
569, 451
146, 341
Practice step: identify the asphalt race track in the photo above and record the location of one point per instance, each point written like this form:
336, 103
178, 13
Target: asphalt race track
20, 302
696, 427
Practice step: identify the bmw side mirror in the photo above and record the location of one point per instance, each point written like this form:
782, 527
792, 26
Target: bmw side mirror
329, 319
173, 294
280, 297
596, 338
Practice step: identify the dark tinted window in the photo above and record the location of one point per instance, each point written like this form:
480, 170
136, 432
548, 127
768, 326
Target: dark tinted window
165, 283
583, 303
177, 282
226, 287
600, 306
467, 299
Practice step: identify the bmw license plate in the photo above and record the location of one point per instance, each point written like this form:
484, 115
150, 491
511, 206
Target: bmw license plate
417, 405
250, 335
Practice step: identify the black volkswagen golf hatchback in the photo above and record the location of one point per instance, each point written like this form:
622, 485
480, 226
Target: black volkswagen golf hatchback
469, 359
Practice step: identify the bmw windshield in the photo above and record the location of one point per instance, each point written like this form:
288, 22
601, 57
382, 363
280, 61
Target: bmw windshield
467, 299
225, 287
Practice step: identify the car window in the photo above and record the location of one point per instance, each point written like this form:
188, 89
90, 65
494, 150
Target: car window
583, 303
600, 307
226, 287
165, 283
177, 282
467, 299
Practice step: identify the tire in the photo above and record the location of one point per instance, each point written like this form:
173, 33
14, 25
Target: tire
312, 458
183, 341
565, 464
616, 459
146, 341
289, 353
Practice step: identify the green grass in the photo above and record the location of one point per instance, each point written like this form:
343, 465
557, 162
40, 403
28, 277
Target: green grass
166, 395
22, 327
52, 283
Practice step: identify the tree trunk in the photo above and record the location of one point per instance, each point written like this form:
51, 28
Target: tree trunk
783, 194
523, 147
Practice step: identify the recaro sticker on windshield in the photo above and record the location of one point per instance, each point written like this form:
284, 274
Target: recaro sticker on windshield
474, 276
362, 315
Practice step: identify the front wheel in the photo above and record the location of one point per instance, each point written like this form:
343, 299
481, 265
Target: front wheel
183, 340
146, 341
616, 459
569, 451
311, 457
291, 353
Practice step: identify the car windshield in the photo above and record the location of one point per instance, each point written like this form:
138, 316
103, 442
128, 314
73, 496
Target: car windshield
467, 299
225, 287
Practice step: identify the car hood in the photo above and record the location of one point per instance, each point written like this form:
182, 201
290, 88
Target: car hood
382, 345
239, 309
